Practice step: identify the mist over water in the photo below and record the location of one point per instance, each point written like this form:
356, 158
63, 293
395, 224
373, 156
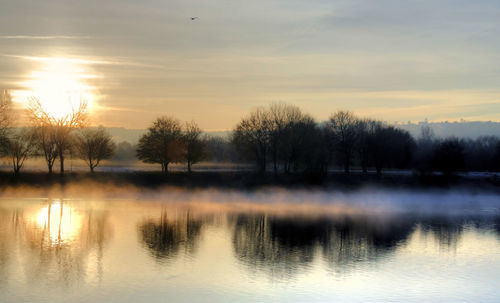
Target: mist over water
122, 244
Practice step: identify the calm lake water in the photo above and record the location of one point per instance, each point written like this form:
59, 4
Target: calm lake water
269, 246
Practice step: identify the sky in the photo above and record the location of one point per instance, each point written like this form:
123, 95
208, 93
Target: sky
395, 60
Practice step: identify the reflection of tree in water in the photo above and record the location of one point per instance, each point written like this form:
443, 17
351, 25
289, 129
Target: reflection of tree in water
9, 223
166, 237
446, 230
351, 240
284, 245
60, 239
497, 225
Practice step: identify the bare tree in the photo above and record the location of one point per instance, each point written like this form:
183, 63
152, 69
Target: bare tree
390, 147
449, 156
365, 131
343, 126
162, 143
19, 147
252, 136
283, 120
45, 139
194, 147
283, 133
5, 114
426, 145
94, 145
300, 141
62, 127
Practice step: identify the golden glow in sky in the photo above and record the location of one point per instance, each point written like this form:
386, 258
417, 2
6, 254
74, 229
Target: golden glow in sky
60, 84
412, 61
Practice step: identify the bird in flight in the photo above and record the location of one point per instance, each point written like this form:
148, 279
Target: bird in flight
193, 18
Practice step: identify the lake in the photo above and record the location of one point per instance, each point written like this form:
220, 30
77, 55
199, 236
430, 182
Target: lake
266, 246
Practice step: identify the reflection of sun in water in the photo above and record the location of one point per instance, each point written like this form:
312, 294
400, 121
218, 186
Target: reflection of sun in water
60, 84
61, 222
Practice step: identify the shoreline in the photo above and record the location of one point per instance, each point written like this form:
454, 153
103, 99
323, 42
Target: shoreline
248, 181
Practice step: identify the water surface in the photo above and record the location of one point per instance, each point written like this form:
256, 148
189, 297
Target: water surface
266, 247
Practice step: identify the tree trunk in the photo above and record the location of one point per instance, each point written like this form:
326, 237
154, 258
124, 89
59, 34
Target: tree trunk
91, 168
347, 164
50, 168
275, 163
189, 166
61, 161
262, 165
15, 166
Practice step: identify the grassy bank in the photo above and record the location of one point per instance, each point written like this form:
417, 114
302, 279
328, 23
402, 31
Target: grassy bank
245, 180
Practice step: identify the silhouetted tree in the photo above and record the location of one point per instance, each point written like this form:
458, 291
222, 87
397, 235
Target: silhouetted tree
296, 136
324, 149
343, 126
94, 145
401, 149
449, 156
5, 115
194, 146
479, 154
63, 126
366, 131
162, 143
301, 141
390, 147
45, 140
20, 146
252, 137
282, 118
281, 134
496, 158
425, 150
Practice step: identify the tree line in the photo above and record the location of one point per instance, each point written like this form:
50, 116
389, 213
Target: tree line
52, 137
56, 137
278, 138
283, 138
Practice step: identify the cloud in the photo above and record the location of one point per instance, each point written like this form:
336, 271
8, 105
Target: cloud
395, 59
27, 37
80, 61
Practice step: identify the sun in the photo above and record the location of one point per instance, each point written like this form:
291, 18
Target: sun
60, 83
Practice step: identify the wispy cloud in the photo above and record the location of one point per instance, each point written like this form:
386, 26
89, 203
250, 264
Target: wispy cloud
81, 61
53, 37
395, 60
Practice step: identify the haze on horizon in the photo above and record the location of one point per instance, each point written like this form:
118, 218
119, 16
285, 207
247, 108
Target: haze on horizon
136, 60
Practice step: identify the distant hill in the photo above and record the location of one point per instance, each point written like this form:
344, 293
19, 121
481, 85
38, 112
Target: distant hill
458, 129
120, 134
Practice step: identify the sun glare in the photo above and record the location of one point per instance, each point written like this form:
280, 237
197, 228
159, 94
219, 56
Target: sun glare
60, 84
61, 223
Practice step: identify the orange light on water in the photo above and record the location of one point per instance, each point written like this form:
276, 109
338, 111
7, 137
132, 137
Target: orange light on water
61, 223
